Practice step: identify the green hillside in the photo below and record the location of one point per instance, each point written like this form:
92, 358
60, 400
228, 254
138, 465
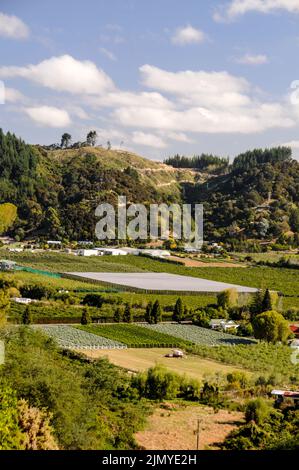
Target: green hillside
56, 191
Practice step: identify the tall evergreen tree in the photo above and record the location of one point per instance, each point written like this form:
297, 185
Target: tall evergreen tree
117, 317
85, 318
178, 312
128, 316
27, 316
156, 313
267, 301
148, 313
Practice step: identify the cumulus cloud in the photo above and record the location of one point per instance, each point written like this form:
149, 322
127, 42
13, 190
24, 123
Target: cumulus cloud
63, 73
49, 116
198, 87
13, 27
204, 102
188, 35
238, 8
249, 59
148, 140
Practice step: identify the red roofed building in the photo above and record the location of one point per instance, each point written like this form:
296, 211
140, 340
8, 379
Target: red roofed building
295, 329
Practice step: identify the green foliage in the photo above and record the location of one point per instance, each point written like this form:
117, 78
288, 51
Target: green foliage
178, 312
4, 306
228, 298
27, 316
73, 390
10, 433
117, 317
85, 319
158, 383
148, 313
203, 162
8, 215
257, 410
128, 316
93, 300
156, 313
271, 327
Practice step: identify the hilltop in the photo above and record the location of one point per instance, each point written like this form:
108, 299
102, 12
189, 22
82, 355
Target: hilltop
56, 191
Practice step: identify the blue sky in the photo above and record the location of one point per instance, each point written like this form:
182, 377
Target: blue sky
158, 77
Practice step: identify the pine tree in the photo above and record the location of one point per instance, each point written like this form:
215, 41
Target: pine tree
85, 319
156, 313
27, 317
257, 304
178, 312
128, 317
117, 317
267, 302
148, 313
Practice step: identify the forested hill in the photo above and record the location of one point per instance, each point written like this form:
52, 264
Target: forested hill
56, 191
257, 199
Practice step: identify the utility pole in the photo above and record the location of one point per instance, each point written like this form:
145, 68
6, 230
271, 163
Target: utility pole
197, 434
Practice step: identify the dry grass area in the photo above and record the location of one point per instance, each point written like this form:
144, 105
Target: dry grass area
141, 359
174, 428
193, 263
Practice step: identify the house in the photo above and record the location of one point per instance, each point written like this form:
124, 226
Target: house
7, 265
22, 300
281, 395
295, 330
111, 251
224, 325
86, 252
6, 240
54, 242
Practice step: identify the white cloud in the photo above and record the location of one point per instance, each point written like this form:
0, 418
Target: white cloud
148, 140
49, 116
188, 35
198, 87
13, 96
249, 59
108, 54
204, 102
238, 8
13, 27
128, 98
64, 73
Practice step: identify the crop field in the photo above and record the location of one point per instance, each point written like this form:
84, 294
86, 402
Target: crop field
141, 359
281, 279
135, 336
270, 359
73, 338
198, 335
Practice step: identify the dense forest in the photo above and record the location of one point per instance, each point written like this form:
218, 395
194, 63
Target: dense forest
203, 162
54, 193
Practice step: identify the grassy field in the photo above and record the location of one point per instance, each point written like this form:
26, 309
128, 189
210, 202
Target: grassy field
135, 336
141, 359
